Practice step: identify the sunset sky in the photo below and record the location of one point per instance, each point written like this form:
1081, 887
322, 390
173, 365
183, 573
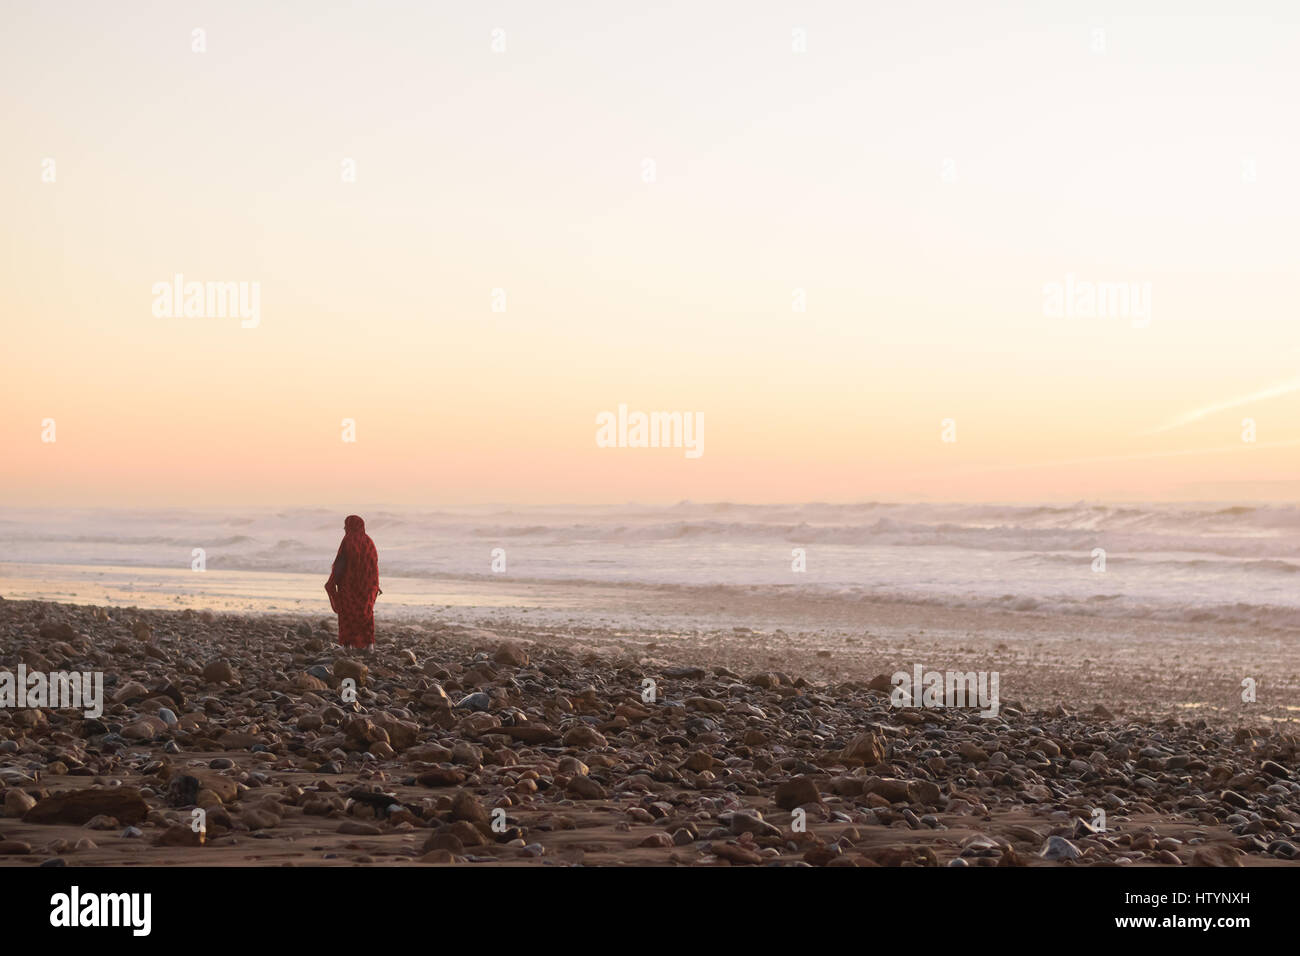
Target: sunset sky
921, 172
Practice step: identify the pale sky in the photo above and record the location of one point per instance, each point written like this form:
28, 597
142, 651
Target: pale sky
921, 172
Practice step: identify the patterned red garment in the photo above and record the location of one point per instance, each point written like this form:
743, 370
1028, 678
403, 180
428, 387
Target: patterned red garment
354, 585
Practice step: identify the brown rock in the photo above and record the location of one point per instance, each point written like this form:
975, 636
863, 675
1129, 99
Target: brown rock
18, 802
735, 853
867, 749
699, 761
130, 692
179, 836
345, 669
467, 833
1216, 856
531, 733
796, 792
890, 788
972, 752
81, 806
581, 735
511, 654
466, 806
584, 788
441, 777
219, 672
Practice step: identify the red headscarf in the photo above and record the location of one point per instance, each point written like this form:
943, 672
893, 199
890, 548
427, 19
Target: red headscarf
354, 584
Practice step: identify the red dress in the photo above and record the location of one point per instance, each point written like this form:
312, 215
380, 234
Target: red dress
354, 585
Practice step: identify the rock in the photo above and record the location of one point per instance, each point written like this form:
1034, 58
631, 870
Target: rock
56, 631
444, 840
441, 777
467, 833
1059, 848
478, 702
531, 733
512, 655
310, 682
14, 848
698, 762
583, 735
1218, 856
924, 791
751, 821
219, 672
584, 788
180, 836
130, 692
17, 802
466, 806
736, 854
346, 669
80, 806
146, 728
867, 749
972, 752
796, 792
889, 788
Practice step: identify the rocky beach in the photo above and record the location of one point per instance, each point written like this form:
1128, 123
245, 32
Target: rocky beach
508, 739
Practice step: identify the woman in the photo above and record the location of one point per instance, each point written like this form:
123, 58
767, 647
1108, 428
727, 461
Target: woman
354, 585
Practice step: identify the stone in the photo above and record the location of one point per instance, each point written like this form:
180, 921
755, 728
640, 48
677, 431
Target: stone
466, 806
219, 672
1216, 856
347, 669
17, 802
478, 702
698, 761
867, 749
583, 735
972, 752
80, 806
796, 792
736, 854
584, 788
1059, 848
441, 777
511, 654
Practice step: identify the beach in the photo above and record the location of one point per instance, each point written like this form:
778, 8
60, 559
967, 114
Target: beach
626, 724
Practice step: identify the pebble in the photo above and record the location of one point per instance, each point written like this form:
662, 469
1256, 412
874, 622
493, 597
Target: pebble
255, 732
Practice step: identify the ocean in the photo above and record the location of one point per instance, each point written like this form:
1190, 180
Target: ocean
1210, 562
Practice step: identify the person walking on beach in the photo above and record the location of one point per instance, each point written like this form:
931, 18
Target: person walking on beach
354, 585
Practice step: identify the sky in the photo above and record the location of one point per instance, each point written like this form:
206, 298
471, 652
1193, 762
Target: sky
837, 234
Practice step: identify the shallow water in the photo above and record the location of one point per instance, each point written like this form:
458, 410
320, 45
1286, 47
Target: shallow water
1213, 562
